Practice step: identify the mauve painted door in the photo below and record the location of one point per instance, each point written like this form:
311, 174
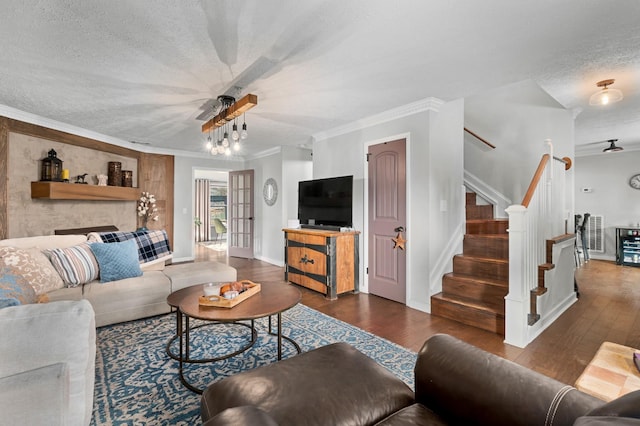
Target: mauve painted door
387, 212
240, 222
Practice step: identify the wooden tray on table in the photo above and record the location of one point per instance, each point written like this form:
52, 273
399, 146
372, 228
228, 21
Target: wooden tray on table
220, 302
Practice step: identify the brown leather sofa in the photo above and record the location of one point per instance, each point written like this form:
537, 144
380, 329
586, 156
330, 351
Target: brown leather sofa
455, 383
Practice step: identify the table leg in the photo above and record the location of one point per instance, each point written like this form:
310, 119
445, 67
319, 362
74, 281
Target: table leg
279, 336
176, 336
186, 332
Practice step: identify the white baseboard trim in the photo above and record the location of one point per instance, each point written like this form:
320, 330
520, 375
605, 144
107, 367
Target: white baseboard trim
550, 317
420, 306
275, 262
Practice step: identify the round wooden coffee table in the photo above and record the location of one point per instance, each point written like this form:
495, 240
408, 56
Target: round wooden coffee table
273, 299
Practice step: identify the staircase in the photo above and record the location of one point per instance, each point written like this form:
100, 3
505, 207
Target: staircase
474, 292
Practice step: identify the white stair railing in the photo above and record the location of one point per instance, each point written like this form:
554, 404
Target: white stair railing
543, 214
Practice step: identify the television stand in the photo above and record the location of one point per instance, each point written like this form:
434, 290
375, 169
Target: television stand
322, 260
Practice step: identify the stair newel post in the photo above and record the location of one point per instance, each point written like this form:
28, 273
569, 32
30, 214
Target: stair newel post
517, 300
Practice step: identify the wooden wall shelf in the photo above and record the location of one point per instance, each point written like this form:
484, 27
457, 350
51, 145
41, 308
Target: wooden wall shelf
76, 191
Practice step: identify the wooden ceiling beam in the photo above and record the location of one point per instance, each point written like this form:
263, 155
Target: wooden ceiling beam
235, 110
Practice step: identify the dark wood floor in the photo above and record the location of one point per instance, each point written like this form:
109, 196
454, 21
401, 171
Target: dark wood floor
608, 310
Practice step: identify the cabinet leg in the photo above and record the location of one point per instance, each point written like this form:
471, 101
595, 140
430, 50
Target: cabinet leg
331, 293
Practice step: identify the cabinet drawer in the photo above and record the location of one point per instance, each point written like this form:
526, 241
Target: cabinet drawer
307, 239
307, 260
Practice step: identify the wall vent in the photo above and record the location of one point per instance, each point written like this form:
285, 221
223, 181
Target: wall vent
595, 233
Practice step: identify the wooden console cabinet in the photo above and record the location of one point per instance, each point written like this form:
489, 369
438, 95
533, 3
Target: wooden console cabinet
324, 261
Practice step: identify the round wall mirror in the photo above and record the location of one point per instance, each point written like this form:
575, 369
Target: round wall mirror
270, 191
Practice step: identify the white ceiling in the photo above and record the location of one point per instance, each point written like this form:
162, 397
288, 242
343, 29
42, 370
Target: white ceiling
140, 70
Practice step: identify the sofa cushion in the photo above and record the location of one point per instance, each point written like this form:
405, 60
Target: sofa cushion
45, 386
187, 274
76, 265
14, 289
117, 261
124, 300
56, 333
33, 265
627, 405
44, 242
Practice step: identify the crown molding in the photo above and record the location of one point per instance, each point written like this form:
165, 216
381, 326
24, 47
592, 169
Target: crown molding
30, 118
38, 120
265, 153
428, 104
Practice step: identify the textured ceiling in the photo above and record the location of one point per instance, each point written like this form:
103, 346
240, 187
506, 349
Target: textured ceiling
140, 70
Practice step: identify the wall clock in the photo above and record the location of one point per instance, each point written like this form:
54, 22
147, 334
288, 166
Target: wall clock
270, 191
634, 182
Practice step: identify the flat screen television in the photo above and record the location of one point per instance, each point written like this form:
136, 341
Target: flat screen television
326, 202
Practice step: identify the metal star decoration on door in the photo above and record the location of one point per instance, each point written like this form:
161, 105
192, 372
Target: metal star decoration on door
398, 241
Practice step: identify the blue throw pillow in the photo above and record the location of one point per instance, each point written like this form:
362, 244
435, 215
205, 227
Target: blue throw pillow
14, 290
117, 261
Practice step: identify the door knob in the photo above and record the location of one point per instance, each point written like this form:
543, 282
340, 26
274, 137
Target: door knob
399, 229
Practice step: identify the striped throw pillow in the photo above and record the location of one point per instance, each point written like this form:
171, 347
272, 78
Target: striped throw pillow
76, 265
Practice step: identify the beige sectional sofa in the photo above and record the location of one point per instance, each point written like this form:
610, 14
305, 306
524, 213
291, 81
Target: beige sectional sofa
47, 350
130, 298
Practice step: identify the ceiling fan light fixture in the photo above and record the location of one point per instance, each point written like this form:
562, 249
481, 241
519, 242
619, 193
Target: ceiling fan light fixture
234, 134
230, 110
612, 147
244, 134
607, 95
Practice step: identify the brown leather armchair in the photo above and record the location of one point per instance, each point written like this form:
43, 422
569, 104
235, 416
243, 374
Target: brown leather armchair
456, 383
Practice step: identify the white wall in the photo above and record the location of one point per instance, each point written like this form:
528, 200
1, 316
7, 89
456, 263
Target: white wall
612, 197
287, 167
516, 119
297, 165
446, 192
184, 187
268, 219
434, 172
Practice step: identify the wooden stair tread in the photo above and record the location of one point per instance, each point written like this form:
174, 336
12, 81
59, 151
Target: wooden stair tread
492, 308
474, 292
485, 281
488, 236
482, 258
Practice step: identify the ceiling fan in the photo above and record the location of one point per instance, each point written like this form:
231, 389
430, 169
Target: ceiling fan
612, 145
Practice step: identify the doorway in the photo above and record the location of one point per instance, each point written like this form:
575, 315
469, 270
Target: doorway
387, 218
210, 209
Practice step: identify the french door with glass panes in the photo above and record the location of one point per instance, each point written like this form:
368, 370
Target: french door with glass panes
240, 229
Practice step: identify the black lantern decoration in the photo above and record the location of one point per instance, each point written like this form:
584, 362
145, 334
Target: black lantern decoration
51, 168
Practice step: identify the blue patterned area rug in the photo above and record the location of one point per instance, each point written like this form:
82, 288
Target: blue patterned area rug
137, 382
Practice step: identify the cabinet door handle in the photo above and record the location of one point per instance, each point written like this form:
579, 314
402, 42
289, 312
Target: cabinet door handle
306, 260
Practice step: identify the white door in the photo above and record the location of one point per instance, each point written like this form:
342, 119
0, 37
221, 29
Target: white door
240, 221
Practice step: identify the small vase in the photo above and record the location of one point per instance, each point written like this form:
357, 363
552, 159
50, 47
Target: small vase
142, 229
